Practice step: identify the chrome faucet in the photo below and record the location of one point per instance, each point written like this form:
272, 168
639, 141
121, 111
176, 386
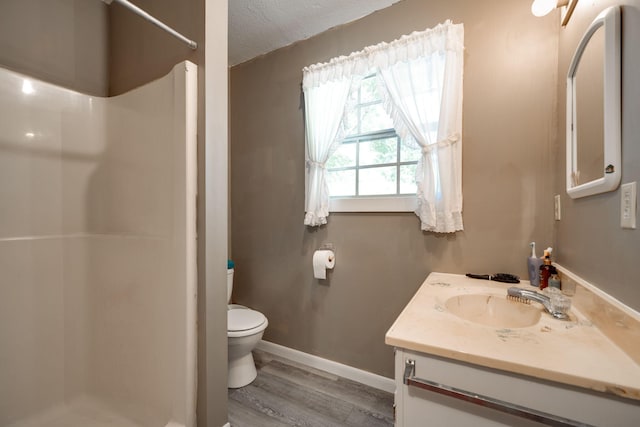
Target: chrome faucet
557, 307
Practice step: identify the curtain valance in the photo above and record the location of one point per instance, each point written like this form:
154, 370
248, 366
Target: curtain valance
445, 36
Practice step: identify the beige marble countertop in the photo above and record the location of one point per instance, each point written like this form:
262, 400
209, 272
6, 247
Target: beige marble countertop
573, 351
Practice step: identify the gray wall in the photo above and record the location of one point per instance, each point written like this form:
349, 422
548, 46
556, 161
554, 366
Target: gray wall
509, 136
590, 241
59, 41
140, 52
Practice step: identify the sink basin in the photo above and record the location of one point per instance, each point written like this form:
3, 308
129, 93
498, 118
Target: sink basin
493, 310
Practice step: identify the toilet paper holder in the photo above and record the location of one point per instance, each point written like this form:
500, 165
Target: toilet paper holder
323, 259
327, 247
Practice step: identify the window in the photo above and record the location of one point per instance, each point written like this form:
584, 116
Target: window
355, 160
371, 164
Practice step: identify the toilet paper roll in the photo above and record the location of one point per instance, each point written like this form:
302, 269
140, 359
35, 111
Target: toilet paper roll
323, 259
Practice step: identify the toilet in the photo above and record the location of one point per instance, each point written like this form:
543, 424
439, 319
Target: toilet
245, 328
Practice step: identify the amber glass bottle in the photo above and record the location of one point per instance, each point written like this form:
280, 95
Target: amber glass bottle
545, 270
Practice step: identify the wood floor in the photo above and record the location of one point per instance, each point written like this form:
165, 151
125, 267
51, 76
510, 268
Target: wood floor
289, 394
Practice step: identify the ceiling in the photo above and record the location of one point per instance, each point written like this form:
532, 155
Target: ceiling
257, 27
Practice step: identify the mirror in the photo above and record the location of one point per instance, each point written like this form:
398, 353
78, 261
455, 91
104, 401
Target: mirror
594, 109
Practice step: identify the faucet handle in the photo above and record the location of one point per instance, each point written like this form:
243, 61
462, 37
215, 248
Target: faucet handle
559, 302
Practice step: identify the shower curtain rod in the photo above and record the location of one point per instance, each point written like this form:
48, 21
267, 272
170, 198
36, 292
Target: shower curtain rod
135, 9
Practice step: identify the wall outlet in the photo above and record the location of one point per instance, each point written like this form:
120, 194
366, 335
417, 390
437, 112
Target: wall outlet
557, 210
628, 206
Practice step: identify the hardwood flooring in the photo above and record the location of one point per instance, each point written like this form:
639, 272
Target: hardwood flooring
289, 394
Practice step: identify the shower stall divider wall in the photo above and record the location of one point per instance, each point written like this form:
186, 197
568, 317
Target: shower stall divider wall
98, 254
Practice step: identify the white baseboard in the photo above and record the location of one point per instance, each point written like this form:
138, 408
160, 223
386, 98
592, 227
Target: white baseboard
349, 372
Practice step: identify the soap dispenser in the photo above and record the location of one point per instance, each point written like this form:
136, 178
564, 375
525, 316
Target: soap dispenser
533, 264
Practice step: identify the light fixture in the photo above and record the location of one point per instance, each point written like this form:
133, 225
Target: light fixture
543, 7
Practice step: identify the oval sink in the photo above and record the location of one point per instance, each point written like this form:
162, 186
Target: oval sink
493, 310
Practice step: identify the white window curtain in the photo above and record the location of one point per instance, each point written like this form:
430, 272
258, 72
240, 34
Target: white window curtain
422, 75
424, 98
324, 108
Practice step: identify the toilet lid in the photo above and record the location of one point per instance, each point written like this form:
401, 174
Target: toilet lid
243, 319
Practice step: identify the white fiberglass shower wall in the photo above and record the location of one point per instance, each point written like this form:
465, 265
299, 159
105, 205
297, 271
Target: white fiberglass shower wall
97, 254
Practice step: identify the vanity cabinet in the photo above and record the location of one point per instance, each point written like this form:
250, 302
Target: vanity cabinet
416, 407
551, 372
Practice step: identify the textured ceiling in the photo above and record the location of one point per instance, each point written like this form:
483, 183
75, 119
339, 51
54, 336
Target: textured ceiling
257, 27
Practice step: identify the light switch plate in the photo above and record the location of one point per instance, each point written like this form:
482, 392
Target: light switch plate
557, 210
628, 195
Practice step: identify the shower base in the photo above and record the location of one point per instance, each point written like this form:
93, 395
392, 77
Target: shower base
82, 412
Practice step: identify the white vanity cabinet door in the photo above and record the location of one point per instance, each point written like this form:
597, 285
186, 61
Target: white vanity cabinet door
417, 407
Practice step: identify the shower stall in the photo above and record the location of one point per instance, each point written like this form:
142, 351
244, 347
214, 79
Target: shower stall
98, 254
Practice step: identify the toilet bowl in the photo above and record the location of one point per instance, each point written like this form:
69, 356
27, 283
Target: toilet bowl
245, 328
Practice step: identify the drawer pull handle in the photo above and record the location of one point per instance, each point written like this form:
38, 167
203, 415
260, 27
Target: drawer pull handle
488, 402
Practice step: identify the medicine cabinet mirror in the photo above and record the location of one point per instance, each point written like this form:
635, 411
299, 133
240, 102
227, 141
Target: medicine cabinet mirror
594, 109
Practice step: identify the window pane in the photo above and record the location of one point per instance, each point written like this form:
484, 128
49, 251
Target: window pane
342, 183
361, 160
369, 90
408, 179
373, 118
378, 181
350, 121
353, 94
409, 153
344, 156
378, 151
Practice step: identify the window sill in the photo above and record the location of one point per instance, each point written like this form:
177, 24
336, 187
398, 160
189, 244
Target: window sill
373, 204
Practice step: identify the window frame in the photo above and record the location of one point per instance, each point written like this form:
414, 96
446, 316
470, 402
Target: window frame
373, 203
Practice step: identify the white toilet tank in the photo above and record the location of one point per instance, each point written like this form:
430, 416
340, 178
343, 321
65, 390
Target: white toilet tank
230, 269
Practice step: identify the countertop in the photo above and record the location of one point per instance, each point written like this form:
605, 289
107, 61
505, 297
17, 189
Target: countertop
574, 351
